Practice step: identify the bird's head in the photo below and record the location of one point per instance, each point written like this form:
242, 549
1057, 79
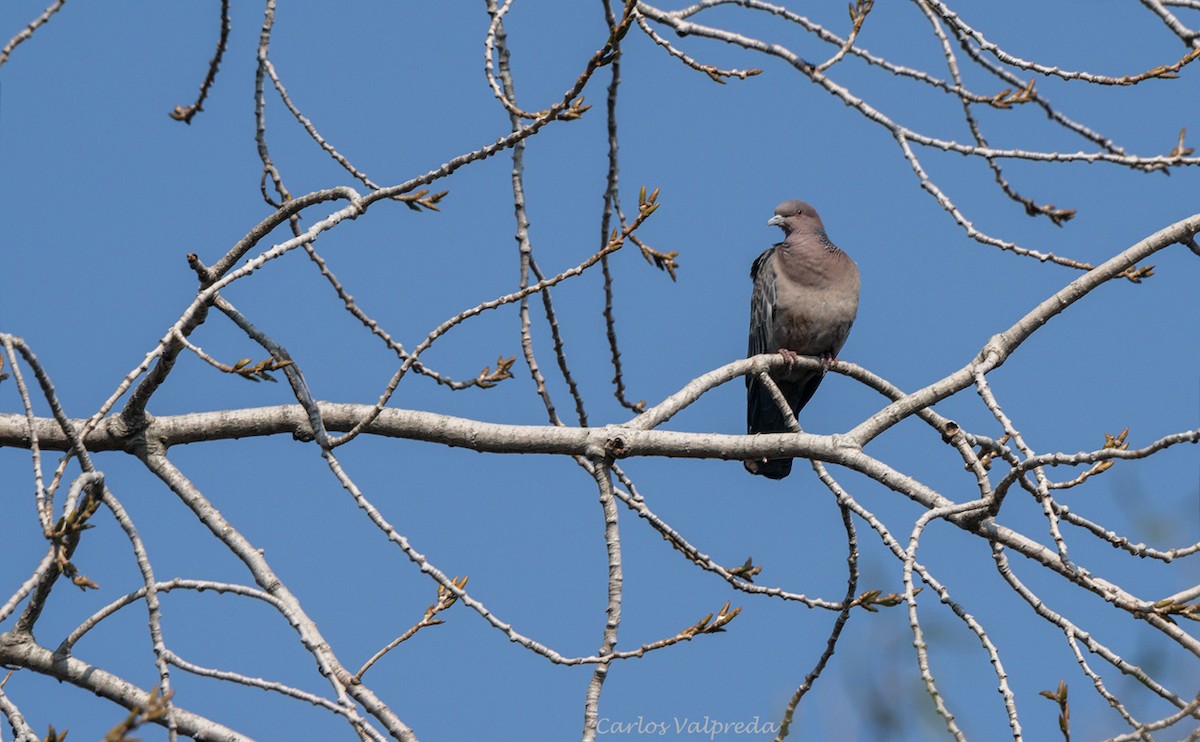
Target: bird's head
796, 216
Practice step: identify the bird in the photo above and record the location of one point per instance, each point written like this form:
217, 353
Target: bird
804, 301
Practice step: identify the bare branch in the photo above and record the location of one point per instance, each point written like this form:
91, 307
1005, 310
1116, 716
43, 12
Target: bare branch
24, 652
26, 33
186, 113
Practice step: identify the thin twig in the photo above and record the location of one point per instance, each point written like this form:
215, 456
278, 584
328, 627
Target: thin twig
26, 33
186, 113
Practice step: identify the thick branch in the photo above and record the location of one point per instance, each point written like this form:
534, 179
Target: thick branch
1002, 345
24, 652
432, 427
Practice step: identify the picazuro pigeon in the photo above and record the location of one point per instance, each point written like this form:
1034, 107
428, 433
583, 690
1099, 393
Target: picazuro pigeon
804, 301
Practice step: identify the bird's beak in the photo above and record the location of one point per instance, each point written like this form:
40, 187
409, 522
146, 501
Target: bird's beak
775, 221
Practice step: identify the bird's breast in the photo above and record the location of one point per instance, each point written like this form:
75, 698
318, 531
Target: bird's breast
812, 321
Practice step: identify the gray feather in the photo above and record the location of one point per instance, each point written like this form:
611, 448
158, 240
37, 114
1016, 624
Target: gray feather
805, 299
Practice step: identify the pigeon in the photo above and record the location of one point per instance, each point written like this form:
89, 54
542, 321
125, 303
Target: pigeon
804, 301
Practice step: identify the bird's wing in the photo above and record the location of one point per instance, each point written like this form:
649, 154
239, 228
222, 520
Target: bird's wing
762, 304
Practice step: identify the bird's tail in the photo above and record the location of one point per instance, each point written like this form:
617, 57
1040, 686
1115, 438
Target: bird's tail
764, 416
769, 468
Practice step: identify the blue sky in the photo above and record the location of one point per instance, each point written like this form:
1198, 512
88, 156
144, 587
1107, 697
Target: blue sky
103, 195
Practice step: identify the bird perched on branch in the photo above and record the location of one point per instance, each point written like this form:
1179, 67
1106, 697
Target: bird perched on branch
804, 301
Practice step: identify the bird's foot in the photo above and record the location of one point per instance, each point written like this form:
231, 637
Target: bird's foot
789, 356
828, 361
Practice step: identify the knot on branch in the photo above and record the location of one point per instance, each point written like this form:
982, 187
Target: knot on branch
951, 432
993, 354
615, 444
130, 431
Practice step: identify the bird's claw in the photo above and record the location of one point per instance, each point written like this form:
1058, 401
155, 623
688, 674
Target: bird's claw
789, 356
